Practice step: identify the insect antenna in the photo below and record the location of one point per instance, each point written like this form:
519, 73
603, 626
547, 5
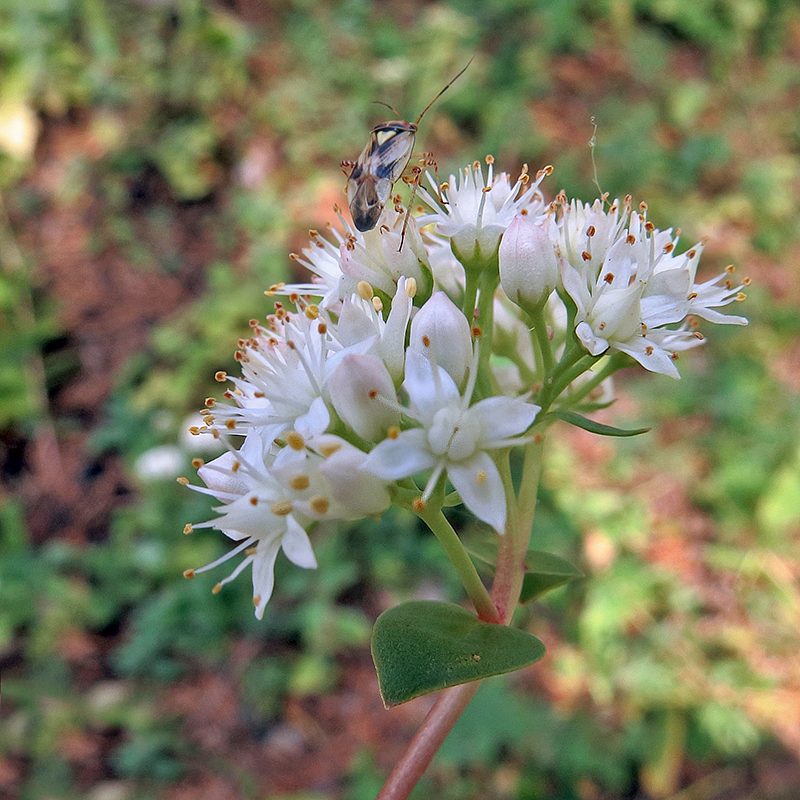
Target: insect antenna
391, 108
442, 92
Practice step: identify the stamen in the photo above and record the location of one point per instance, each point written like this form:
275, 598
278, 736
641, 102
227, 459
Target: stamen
364, 290
299, 482
295, 440
320, 504
282, 508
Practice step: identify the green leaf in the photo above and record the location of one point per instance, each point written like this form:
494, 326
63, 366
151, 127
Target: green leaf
543, 571
590, 425
423, 646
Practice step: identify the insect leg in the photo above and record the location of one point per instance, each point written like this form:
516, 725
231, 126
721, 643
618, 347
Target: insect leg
414, 182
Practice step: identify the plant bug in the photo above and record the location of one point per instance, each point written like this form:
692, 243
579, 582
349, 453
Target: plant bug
381, 163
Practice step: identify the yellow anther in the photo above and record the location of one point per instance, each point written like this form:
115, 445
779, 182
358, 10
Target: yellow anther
364, 290
320, 504
299, 482
295, 440
282, 508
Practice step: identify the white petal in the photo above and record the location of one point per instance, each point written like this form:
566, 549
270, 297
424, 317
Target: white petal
594, 344
393, 338
650, 356
360, 493
400, 457
296, 545
575, 285
429, 387
502, 417
220, 478
315, 420
478, 482
264, 573
362, 392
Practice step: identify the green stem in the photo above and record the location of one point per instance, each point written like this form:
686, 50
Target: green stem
470, 293
508, 569
488, 283
542, 340
529, 488
615, 362
570, 367
448, 538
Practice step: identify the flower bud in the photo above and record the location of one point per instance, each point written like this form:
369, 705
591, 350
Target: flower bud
528, 264
441, 333
359, 387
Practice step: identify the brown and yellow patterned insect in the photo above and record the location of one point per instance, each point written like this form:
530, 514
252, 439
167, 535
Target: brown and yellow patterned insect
380, 165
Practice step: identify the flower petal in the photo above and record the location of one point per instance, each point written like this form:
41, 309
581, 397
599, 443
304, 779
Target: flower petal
264, 573
297, 546
400, 457
478, 482
429, 387
502, 417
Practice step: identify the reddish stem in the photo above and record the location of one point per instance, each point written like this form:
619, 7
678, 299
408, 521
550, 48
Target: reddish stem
427, 740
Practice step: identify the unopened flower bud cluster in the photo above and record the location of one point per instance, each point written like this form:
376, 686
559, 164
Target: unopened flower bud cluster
423, 351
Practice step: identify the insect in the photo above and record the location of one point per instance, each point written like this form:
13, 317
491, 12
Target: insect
380, 165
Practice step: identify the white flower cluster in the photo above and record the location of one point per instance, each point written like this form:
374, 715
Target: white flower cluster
423, 354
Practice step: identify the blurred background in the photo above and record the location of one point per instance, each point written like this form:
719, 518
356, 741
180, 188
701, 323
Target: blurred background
159, 160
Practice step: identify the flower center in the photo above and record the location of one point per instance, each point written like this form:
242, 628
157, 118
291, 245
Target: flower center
454, 433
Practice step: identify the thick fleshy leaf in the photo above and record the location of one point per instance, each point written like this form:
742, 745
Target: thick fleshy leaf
543, 571
423, 646
590, 425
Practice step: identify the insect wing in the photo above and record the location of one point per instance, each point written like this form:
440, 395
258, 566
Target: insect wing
393, 143
380, 164
366, 196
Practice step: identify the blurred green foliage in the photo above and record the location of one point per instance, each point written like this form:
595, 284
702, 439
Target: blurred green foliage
238, 114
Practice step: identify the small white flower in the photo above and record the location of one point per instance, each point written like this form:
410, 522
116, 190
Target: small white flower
477, 210
377, 258
628, 290
453, 438
360, 320
268, 501
160, 462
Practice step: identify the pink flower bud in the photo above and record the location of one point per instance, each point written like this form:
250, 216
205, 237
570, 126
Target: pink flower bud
441, 333
528, 264
360, 388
